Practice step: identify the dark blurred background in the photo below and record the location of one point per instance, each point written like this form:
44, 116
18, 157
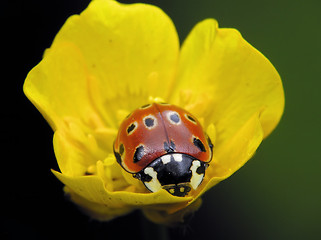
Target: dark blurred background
276, 195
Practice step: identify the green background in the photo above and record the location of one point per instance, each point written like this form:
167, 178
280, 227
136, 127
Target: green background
276, 195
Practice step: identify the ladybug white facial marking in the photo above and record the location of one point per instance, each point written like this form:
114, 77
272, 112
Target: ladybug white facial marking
177, 173
153, 185
178, 157
198, 174
165, 147
166, 159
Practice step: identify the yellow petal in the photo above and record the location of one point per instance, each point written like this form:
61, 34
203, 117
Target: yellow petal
235, 152
101, 212
58, 85
77, 147
131, 52
229, 79
92, 189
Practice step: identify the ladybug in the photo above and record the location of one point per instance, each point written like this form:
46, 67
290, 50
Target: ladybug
164, 146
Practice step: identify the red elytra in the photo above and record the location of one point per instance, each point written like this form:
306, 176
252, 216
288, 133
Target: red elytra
157, 129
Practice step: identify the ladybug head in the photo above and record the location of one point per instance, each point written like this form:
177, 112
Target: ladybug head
175, 172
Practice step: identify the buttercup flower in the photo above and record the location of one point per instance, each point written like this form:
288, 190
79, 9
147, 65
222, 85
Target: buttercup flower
114, 58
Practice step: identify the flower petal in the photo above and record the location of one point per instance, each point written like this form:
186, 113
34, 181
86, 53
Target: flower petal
131, 52
92, 189
120, 54
234, 153
77, 147
57, 86
230, 80
101, 212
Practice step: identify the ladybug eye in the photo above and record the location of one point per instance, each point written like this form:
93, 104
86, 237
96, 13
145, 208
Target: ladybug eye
198, 143
174, 118
150, 121
131, 128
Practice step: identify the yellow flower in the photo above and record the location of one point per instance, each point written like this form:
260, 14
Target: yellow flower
113, 58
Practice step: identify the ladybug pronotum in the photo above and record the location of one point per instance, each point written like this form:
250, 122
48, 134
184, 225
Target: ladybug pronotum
164, 146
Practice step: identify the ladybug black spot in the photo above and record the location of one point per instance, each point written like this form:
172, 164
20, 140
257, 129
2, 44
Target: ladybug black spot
149, 122
139, 153
169, 148
145, 106
175, 118
189, 117
198, 143
121, 149
118, 157
131, 128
